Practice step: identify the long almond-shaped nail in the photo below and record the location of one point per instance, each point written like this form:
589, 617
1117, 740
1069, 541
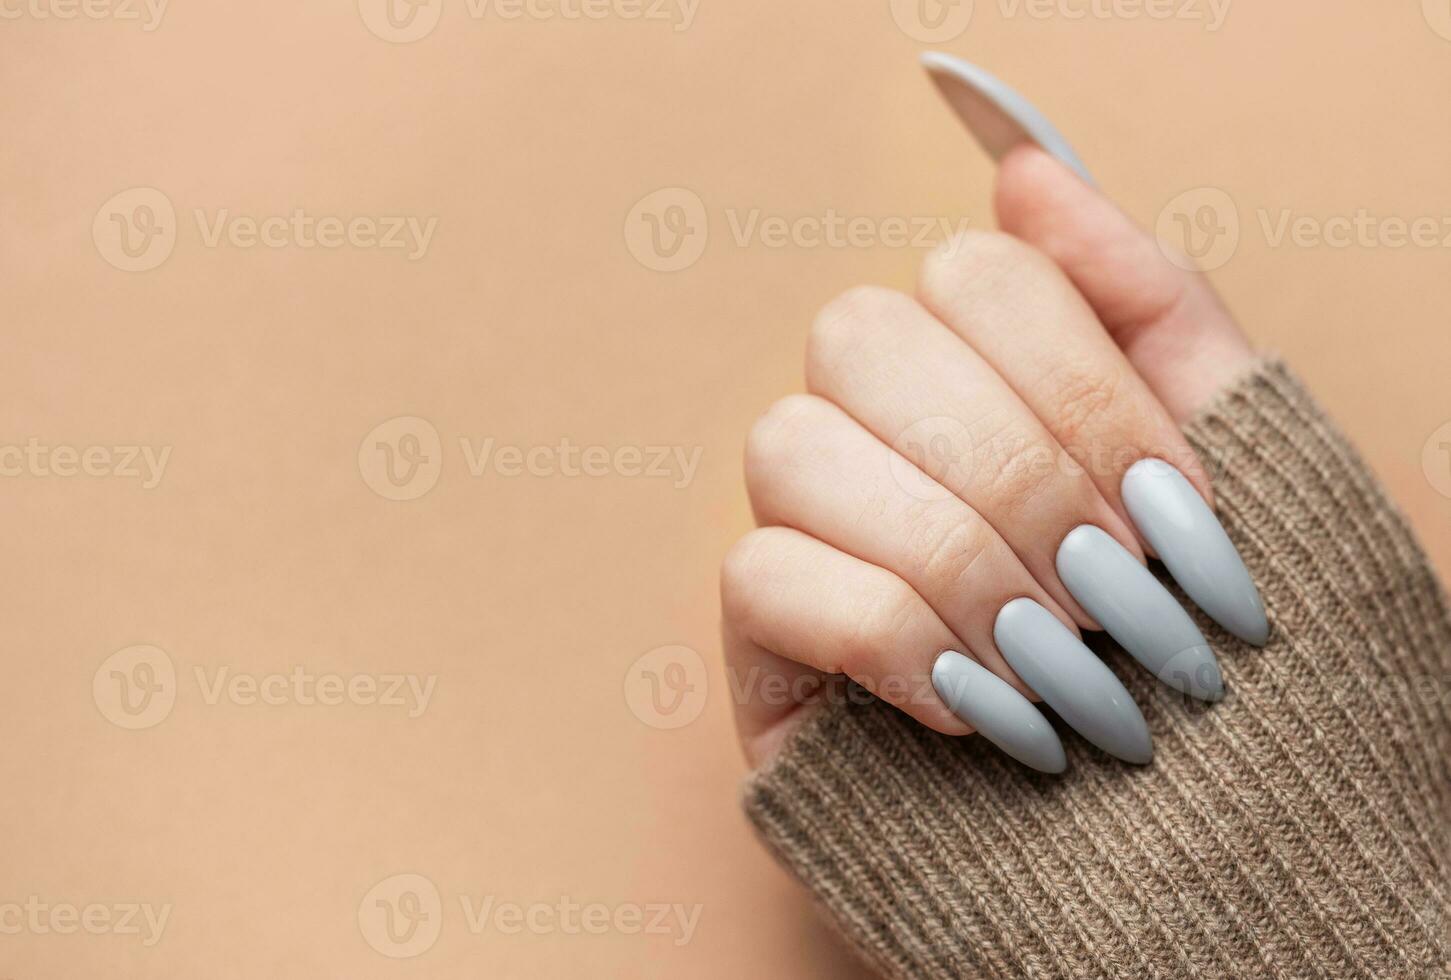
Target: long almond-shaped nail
1073, 681
1138, 612
997, 115
998, 712
1191, 542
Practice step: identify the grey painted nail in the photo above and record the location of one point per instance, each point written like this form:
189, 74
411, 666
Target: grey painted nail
1171, 514
998, 712
1068, 676
997, 115
1138, 612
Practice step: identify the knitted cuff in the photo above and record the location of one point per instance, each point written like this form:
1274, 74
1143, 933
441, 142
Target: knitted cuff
1298, 828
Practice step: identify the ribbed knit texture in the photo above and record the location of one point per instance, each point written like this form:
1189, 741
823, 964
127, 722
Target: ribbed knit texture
1297, 829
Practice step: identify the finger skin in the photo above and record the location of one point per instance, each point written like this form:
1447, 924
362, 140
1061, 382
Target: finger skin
1017, 309
812, 467
785, 594
764, 723
914, 383
1179, 339
1168, 321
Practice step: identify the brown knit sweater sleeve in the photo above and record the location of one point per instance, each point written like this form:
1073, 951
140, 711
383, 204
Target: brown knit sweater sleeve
1297, 829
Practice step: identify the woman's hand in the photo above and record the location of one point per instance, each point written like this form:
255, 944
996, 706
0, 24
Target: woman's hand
977, 475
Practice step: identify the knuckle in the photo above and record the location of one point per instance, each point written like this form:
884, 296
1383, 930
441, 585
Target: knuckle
1015, 472
1080, 400
951, 549
775, 436
844, 323
744, 566
859, 304
884, 619
974, 262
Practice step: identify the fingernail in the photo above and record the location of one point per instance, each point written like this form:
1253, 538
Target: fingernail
997, 115
1138, 612
998, 712
1191, 542
1073, 681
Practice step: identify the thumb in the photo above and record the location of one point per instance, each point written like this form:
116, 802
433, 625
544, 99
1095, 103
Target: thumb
1167, 320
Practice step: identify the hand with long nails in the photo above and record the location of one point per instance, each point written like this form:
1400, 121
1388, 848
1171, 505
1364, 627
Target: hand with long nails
981, 471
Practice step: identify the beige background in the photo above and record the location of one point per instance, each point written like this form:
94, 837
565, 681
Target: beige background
533, 773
